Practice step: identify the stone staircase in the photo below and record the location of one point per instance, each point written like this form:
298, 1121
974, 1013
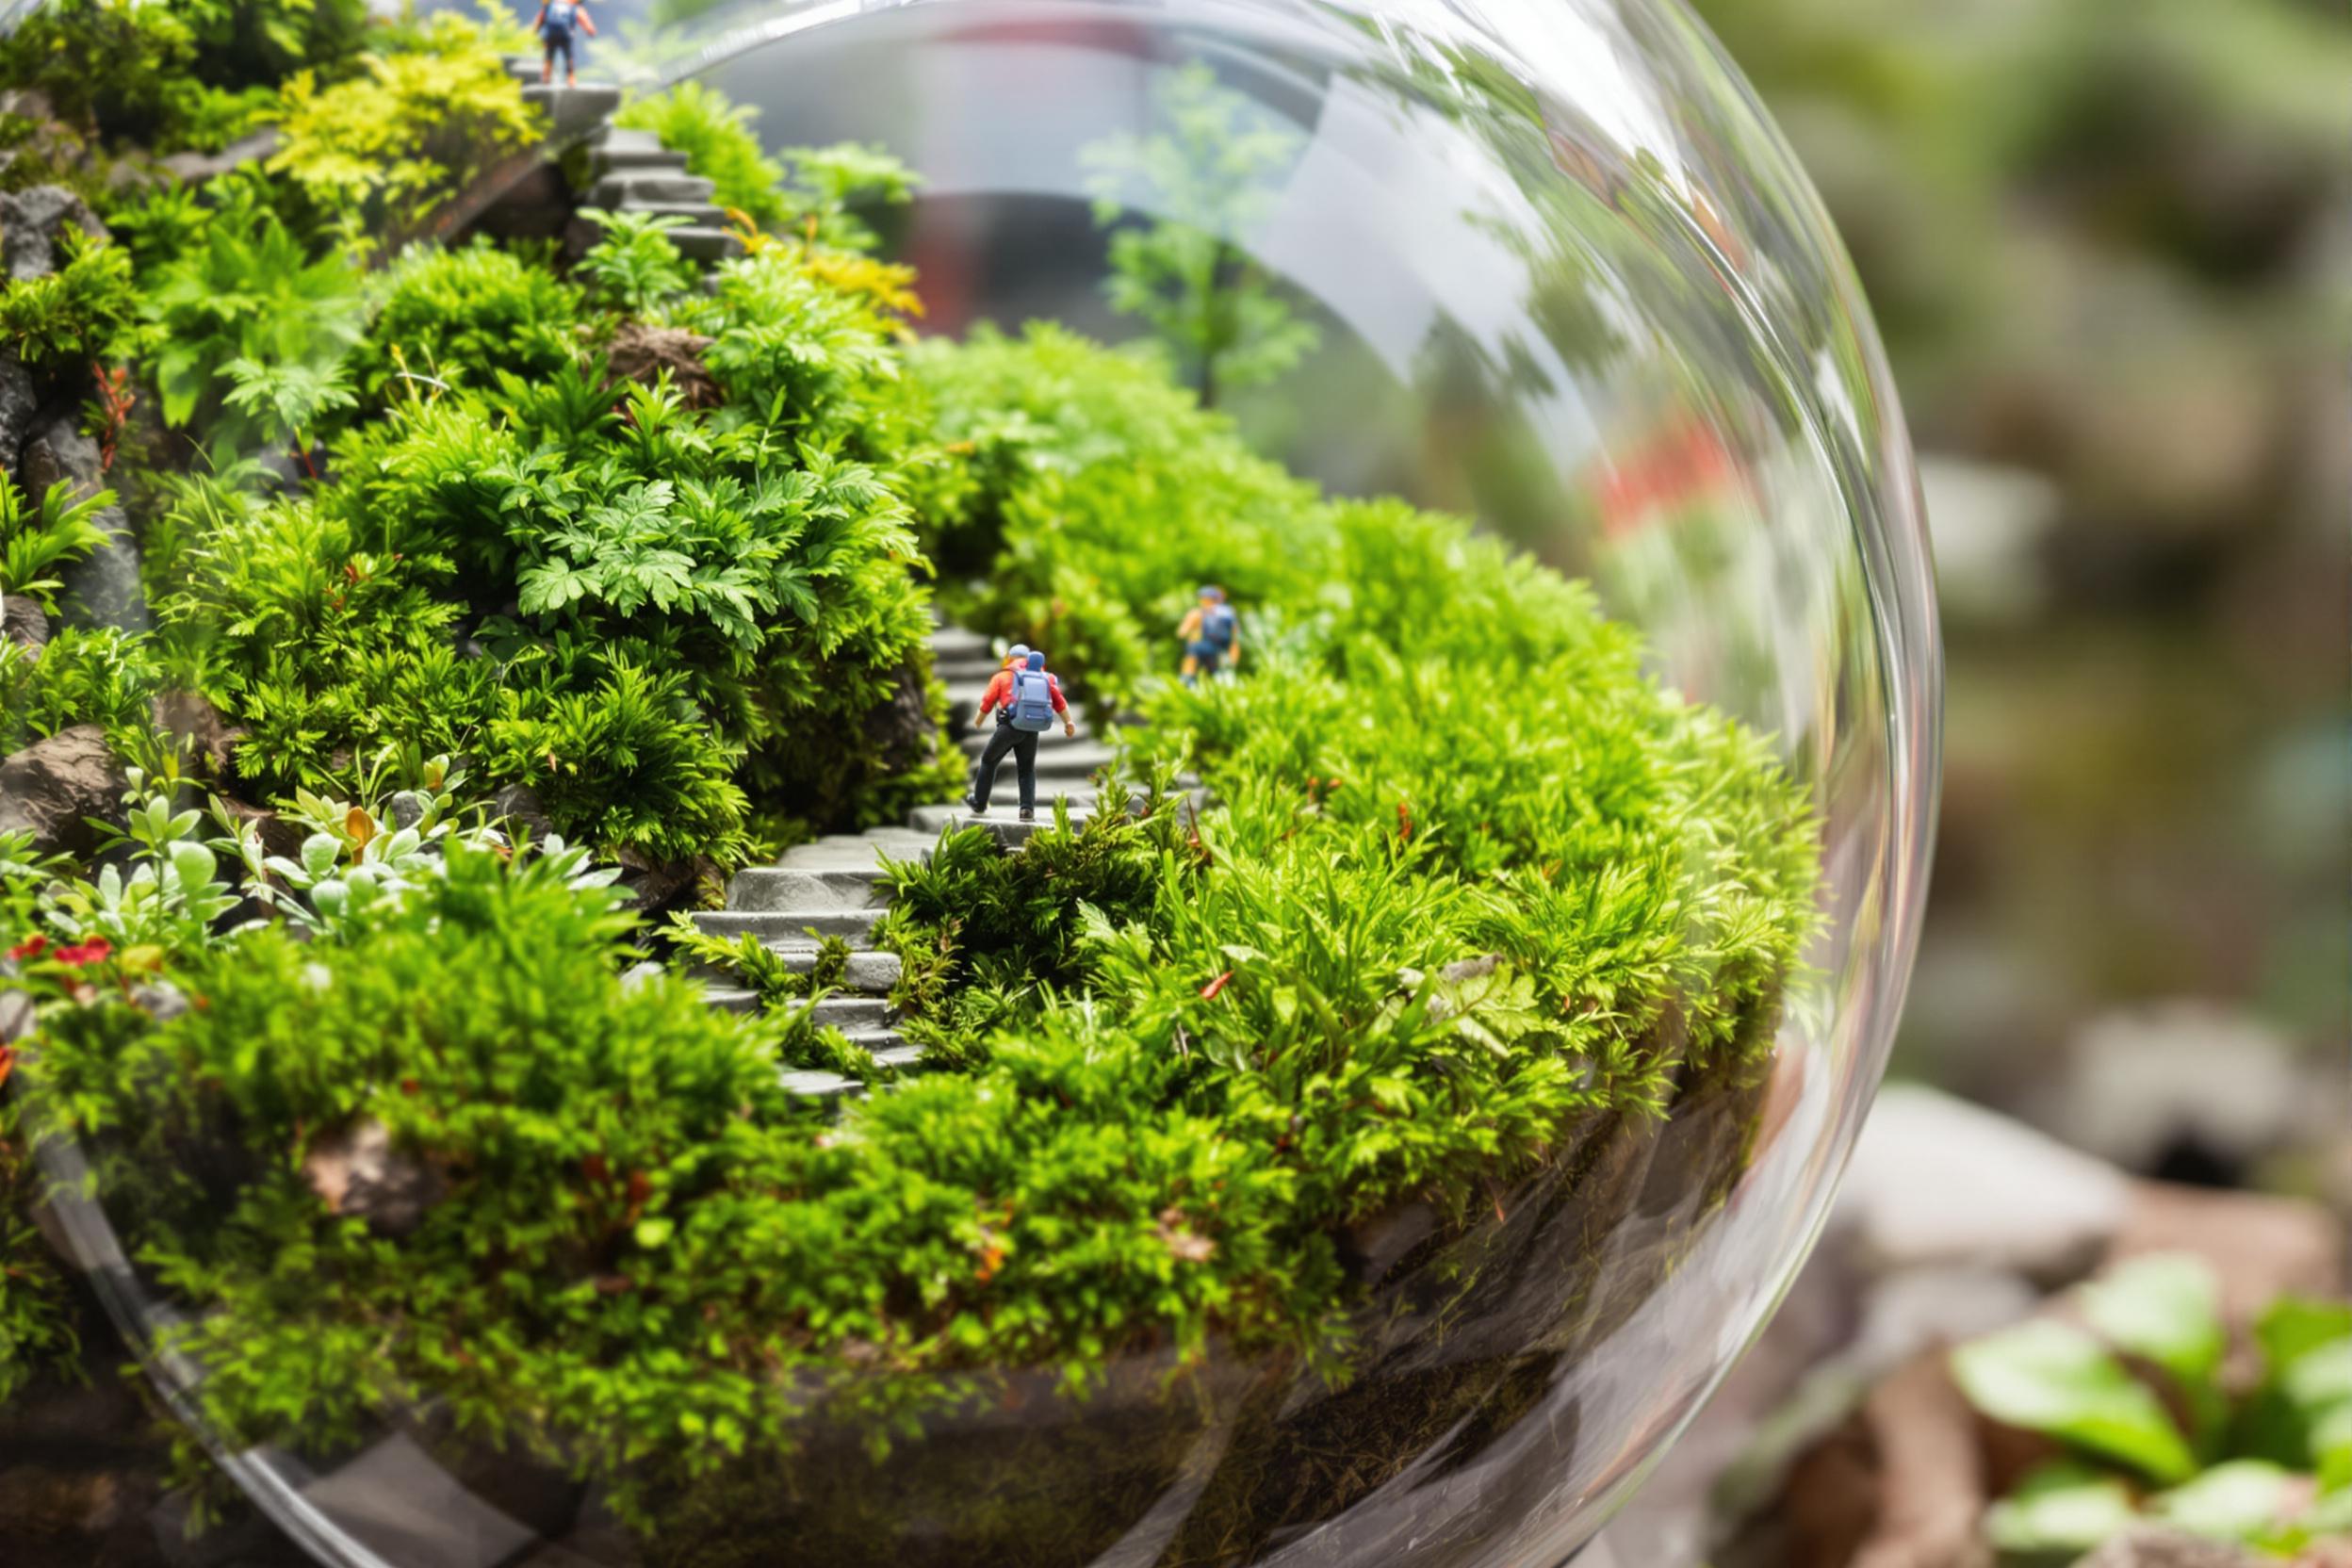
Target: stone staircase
627, 171
831, 887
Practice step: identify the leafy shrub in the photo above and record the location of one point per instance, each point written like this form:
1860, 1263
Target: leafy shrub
381, 150
629, 1157
86, 310
2162, 1435
462, 316
94, 675
247, 291
652, 619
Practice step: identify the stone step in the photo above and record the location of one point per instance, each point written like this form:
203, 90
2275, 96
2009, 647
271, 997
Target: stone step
956, 642
1079, 755
619, 191
778, 925
697, 214
659, 161
706, 241
813, 1084
845, 1011
784, 888
869, 972
972, 671
573, 111
1002, 820
848, 1012
627, 142
859, 855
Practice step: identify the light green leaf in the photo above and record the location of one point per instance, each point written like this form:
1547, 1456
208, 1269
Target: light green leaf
193, 864
2320, 1377
2164, 1307
2063, 1506
2241, 1501
2052, 1378
654, 1232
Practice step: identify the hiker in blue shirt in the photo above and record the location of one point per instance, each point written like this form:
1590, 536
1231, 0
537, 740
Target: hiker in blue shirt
556, 24
1211, 635
1025, 700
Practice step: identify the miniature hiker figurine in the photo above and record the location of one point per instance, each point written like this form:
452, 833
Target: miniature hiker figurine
1211, 635
556, 24
1025, 700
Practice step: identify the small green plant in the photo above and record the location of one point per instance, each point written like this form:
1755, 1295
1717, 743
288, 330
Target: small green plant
457, 317
634, 268
87, 310
247, 295
2152, 1429
1205, 183
36, 541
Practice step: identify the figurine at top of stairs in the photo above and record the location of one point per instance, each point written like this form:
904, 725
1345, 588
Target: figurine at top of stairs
558, 24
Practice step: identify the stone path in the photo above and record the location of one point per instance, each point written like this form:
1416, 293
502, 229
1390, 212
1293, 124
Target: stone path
627, 171
830, 888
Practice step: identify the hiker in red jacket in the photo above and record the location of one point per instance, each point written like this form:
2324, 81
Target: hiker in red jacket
1025, 701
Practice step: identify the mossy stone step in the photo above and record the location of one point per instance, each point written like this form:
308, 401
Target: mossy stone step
867, 970
1003, 820
708, 215
775, 924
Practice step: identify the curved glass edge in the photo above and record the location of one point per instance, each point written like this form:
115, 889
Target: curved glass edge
1896, 573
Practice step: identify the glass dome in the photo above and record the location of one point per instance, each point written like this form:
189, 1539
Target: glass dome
1335, 291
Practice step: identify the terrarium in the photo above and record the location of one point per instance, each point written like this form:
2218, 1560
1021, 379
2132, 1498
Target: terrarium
973, 782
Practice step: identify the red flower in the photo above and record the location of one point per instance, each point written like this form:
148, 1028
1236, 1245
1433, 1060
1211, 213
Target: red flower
89, 952
31, 947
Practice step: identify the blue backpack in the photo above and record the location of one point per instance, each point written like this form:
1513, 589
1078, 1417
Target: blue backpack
562, 14
1033, 701
1217, 627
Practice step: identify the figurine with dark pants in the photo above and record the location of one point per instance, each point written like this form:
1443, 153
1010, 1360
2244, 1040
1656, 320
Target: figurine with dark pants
557, 23
1212, 637
1025, 701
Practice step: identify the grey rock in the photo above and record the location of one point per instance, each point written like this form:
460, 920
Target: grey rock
21, 621
2140, 1085
52, 786
30, 221
20, 401
163, 1000
519, 810
102, 589
16, 1015
1937, 1183
201, 729
406, 810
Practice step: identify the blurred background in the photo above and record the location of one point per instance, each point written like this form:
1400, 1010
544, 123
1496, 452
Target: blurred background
2109, 246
